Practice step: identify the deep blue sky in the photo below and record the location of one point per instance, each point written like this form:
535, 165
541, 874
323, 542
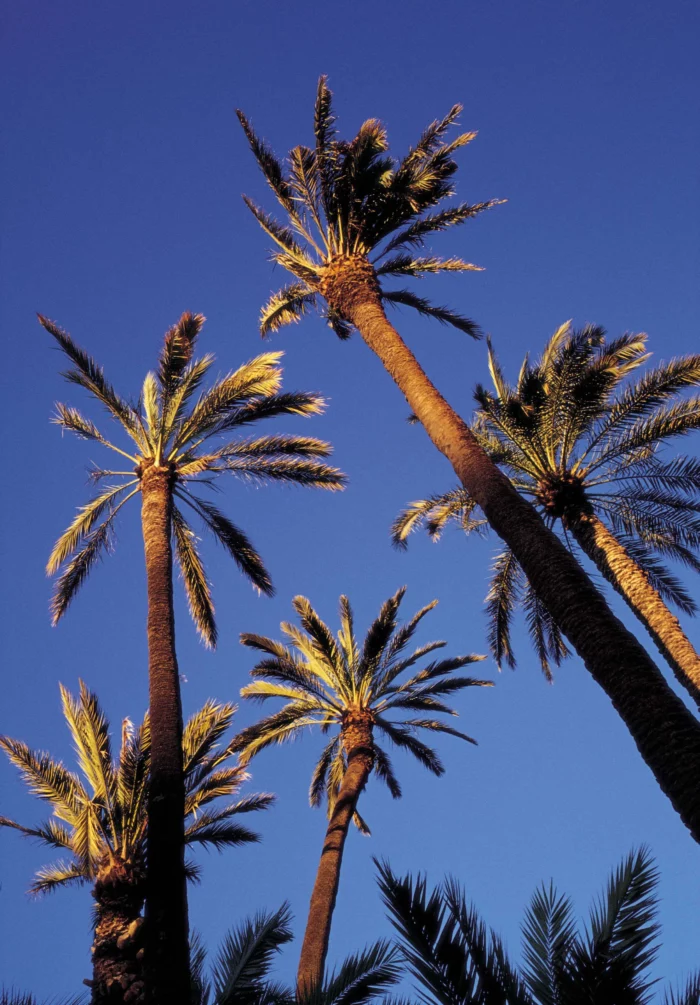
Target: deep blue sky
122, 174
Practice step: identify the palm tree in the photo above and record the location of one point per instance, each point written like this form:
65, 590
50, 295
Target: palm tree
338, 684
171, 450
347, 201
241, 972
455, 960
584, 447
101, 821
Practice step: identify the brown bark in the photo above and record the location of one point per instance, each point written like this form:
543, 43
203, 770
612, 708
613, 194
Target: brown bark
167, 950
666, 733
625, 576
357, 739
117, 977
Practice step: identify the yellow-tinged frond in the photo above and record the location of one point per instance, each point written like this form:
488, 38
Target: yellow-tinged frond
262, 689
562, 333
194, 577
87, 517
151, 410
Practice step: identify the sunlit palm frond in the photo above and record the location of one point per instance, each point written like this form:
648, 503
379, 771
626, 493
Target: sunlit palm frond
87, 517
287, 306
51, 877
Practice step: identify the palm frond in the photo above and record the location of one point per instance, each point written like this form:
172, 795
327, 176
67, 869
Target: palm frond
47, 779
197, 586
549, 931
243, 962
444, 315
51, 877
503, 595
402, 736
286, 306
87, 517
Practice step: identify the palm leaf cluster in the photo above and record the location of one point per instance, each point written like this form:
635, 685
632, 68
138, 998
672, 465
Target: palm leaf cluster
178, 425
325, 680
240, 974
456, 960
99, 814
348, 199
574, 434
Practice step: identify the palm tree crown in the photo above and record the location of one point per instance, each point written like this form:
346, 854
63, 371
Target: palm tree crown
347, 199
329, 683
100, 820
172, 426
574, 439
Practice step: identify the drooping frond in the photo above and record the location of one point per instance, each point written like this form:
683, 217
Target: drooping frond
501, 599
51, 877
285, 307
235, 542
196, 584
444, 315
78, 569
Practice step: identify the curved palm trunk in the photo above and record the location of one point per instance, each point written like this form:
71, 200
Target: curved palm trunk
116, 949
357, 738
666, 733
625, 576
167, 951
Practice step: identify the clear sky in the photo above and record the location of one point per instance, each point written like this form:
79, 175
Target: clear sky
121, 179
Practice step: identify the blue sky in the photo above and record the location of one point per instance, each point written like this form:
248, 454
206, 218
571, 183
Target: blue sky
122, 174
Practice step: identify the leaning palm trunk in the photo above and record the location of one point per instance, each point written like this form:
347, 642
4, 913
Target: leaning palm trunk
666, 733
357, 739
626, 577
166, 895
116, 949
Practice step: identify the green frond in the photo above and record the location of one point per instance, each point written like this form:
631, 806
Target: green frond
194, 578
242, 966
235, 542
89, 375
384, 771
435, 726
401, 736
545, 634
503, 595
444, 315
549, 932
87, 517
177, 352
215, 828
286, 306
269, 165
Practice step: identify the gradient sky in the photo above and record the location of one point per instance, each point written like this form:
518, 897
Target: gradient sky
122, 173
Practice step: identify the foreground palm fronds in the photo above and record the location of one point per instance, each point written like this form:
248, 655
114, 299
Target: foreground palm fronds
456, 960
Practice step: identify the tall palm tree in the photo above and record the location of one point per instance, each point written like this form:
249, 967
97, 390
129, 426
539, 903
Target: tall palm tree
100, 821
349, 205
584, 446
171, 434
456, 960
340, 686
241, 971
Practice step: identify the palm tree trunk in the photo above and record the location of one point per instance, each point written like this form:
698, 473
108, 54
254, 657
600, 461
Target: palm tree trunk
666, 733
167, 953
318, 925
625, 576
116, 963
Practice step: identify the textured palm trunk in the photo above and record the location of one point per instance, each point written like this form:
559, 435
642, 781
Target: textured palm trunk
117, 967
167, 952
357, 739
665, 732
625, 576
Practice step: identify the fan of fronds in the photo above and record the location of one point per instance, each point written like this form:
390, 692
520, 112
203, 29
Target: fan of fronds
322, 678
99, 813
576, 432
179, 425
456, 960
350, 198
